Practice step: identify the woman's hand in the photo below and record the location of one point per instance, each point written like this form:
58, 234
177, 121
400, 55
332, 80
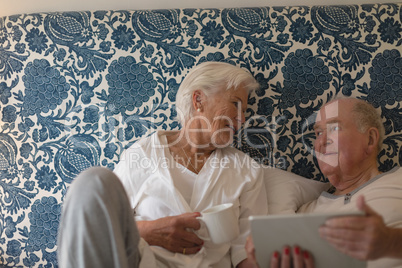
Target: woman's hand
173, 233
250, 262
295, 257
292, 258
250, 252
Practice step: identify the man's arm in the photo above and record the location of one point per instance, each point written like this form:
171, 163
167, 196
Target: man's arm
365, 238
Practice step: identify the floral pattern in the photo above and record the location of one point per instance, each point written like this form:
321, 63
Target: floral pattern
78, 88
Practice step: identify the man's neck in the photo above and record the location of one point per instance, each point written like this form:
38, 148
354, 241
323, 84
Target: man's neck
347, 184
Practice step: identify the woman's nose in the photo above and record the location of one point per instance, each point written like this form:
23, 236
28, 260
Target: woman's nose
242, 118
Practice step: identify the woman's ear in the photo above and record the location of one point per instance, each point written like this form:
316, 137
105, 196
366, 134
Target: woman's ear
198, 97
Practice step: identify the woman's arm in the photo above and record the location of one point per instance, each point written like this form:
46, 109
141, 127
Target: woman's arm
173, 233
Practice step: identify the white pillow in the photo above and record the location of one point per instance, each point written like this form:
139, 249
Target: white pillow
286, 191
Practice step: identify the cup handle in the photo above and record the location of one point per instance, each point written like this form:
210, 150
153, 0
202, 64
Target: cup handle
200, 236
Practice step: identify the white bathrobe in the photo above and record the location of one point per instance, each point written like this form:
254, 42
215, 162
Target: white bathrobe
228, 176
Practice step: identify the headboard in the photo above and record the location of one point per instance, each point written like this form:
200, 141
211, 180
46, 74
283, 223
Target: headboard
77, 88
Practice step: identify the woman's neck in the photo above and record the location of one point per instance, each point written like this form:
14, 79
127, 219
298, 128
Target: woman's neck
187, 151
191, 142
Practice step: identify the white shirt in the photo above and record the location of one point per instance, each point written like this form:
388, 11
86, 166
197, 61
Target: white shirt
228, 176
383, 193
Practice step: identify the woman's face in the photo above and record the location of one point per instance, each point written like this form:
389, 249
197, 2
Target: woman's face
222, 115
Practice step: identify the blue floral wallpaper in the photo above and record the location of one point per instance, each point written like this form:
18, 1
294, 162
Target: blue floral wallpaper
77, 88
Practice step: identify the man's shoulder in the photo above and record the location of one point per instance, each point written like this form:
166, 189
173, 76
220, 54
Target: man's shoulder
393, 176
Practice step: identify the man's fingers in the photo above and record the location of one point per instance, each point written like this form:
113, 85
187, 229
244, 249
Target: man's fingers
355, 222
342, 233
349, 222
351, 243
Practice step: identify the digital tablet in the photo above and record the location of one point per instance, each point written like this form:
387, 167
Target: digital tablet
271, 233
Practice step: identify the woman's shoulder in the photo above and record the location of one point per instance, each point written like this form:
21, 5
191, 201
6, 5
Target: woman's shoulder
239, 161
235, 153
154, 140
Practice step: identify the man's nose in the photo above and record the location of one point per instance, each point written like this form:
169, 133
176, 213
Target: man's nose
325, 139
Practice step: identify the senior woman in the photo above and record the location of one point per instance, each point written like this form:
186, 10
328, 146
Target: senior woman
171, 176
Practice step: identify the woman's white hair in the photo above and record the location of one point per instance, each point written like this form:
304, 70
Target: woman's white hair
210, 78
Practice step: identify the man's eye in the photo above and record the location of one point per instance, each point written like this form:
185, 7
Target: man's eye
318, 133
335, 128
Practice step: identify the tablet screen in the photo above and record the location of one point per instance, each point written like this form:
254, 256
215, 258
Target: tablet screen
273, 232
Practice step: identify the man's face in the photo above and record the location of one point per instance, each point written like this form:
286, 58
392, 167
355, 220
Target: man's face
339, 146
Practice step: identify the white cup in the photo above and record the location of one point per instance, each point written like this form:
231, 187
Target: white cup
221, 223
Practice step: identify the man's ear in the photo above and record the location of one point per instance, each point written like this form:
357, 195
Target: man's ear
374, 137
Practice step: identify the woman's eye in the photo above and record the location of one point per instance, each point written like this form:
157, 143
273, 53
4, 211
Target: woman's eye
335, 128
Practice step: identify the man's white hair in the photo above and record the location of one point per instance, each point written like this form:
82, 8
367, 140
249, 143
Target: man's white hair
366, 116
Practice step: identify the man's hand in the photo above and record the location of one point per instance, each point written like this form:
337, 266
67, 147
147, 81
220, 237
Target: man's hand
363, 237
173, 233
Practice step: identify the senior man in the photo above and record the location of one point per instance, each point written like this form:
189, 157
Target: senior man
349, 135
